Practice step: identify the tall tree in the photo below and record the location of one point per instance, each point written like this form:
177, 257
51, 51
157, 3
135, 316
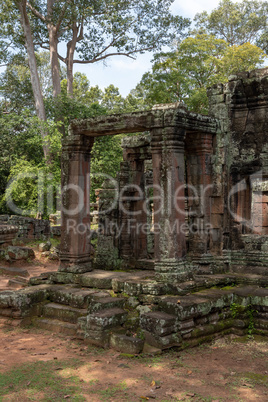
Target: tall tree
199, 62
36, 86
236, 23
95, 31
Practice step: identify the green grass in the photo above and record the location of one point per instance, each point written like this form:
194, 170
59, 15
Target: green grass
118, 391
41, 378
254, 378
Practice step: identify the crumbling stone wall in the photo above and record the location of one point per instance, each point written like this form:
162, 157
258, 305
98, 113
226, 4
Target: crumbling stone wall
207, 172
28, 228
240, 165
211, 173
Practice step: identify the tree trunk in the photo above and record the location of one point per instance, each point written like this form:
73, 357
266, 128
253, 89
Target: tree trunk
69, 60
70, 79
54, 62
38, 96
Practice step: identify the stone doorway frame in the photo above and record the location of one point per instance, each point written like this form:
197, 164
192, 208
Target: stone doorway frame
168, 125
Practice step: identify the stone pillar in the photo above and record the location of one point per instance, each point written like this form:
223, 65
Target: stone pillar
133, 214
199, 190
107, 256
75, 236
169, 203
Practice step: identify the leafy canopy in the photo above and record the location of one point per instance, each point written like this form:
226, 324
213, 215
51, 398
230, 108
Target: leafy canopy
235, 22
198, 62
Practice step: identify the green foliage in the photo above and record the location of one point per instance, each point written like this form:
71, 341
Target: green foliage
93, 32
21, 145
31, 180
198, 62
70, 108
15, 86
19, 139
112, 101
250, 314
11, 34
124, 27
235, 22
237, 309
106, 158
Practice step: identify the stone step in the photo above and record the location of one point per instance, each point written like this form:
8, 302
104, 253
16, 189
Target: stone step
126, 344
43, 278
14, 271
187, 307
161, 342
57, 326
106, 319
158, 323
230, 279
105, 303
255, 270
100, 279
63, 313
71, 296
135, 283
17, 283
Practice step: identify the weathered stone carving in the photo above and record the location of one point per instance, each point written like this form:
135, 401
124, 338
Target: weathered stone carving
208, 181
188, 210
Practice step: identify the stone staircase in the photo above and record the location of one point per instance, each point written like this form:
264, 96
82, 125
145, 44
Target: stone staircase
206, 315
117, 309
105, 314
65, 305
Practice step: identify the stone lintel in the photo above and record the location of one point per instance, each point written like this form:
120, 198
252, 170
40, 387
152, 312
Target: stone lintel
144, 121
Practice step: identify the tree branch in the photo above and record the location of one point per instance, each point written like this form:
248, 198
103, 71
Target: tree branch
63, 59
63, 30
81, 33
35, 12
42, 46
62, 15
104, 57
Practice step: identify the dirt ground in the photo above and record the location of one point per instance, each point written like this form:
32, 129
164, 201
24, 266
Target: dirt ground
35, 267
227, 370
39, 365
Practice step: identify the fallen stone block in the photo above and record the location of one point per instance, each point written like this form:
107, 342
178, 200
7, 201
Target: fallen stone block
15, 253
14, 271
17, 283
45, 246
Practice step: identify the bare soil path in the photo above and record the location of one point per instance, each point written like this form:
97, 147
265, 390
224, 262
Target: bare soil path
38, 365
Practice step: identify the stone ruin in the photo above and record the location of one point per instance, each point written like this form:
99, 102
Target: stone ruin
24, 227
183, 232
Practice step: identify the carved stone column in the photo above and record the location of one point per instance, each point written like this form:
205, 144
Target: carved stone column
133, 214
75, 236
169, 203
199, 189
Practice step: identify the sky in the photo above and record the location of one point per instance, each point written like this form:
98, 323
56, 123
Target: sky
125, 73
